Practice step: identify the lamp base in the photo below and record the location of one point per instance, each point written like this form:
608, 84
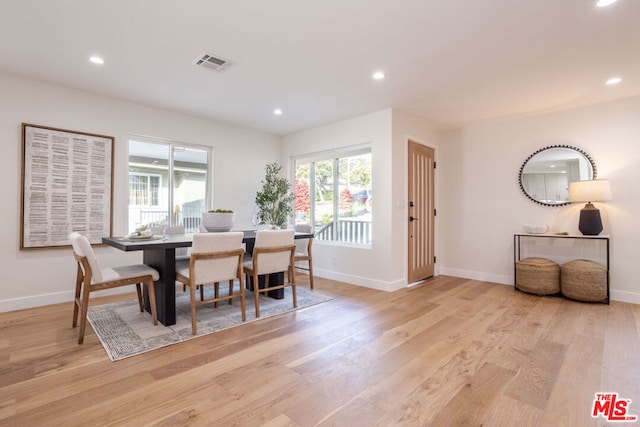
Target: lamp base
590, 223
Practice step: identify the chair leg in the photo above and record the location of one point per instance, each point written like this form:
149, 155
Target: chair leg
230, 291
216, 294
256, 294
139, 290
293, 290
83, 311
311, 273
192, 290
152, 301
242, 302
76, 300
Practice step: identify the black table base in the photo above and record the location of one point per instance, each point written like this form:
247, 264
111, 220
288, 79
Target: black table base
273, 278
163, 260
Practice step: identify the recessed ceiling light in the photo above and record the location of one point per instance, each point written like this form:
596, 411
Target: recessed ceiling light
96, 60
605, 3
277, 112
378, 75
614, 81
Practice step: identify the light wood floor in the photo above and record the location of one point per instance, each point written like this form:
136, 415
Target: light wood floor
448, 352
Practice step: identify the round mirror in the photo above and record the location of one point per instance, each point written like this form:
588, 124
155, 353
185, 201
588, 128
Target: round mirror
546, 174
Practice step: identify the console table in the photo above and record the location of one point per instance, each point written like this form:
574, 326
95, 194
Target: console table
520, 239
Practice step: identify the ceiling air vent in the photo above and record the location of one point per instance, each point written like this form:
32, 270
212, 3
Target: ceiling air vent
209, 61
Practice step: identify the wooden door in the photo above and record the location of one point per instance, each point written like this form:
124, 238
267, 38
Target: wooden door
421, 212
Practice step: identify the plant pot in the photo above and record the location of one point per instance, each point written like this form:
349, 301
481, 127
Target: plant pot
218, 221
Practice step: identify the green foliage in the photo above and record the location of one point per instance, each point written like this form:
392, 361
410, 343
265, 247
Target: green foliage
221, 211
275, 199
361, 175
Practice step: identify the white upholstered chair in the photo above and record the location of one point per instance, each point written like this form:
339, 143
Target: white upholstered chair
303, 250
215, 258
90, 278
273, 252
181, 253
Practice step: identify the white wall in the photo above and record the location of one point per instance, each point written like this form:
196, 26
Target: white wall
479, 201
383, 265
38, 277
482, 205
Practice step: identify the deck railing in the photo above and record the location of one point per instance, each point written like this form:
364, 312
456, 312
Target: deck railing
189, 217
347, 231
152, 218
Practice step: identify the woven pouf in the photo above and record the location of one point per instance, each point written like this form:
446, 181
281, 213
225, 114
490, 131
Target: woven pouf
538, 276
584, 280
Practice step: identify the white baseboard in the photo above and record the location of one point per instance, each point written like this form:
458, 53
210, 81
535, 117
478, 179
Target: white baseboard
35, 301
622, 296
361, 281
477, 275
52, 298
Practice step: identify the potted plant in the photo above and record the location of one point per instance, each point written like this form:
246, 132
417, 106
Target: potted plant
218, 220
275, 199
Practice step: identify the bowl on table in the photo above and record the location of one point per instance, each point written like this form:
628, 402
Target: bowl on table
535, 229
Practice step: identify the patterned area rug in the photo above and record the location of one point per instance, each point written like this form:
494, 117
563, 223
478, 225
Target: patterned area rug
124, 331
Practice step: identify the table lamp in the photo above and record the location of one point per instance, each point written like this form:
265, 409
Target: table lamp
595, 190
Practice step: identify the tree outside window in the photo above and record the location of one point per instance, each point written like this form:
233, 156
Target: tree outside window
333, 193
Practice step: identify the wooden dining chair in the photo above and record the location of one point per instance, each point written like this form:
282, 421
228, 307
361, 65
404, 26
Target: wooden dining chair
91, 278
303, 250
181, 253
215, 258
273, 252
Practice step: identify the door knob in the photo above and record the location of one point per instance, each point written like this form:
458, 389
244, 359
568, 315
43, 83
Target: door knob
412, 218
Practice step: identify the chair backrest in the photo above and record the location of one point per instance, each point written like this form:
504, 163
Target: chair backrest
303, 228
82, 247
215, 269
174, 229
273, 262
303, 245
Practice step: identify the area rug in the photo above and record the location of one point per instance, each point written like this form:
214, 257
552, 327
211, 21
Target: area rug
124, 331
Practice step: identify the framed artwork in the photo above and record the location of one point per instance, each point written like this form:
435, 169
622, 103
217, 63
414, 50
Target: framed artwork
67, 185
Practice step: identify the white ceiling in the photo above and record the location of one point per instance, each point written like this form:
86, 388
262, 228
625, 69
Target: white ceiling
452, 61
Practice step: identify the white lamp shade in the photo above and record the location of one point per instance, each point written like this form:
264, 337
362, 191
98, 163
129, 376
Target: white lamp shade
595, 190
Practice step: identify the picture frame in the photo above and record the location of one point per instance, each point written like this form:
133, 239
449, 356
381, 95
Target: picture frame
66, 186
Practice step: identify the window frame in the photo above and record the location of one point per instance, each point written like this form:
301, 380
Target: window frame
335, 156
148, 189
171, 145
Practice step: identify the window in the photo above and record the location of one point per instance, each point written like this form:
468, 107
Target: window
333, 193
144, 190
168, 184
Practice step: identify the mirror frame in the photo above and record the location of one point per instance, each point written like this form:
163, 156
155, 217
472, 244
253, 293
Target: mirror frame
568, 147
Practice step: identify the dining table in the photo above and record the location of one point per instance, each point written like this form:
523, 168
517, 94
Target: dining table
159, 252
